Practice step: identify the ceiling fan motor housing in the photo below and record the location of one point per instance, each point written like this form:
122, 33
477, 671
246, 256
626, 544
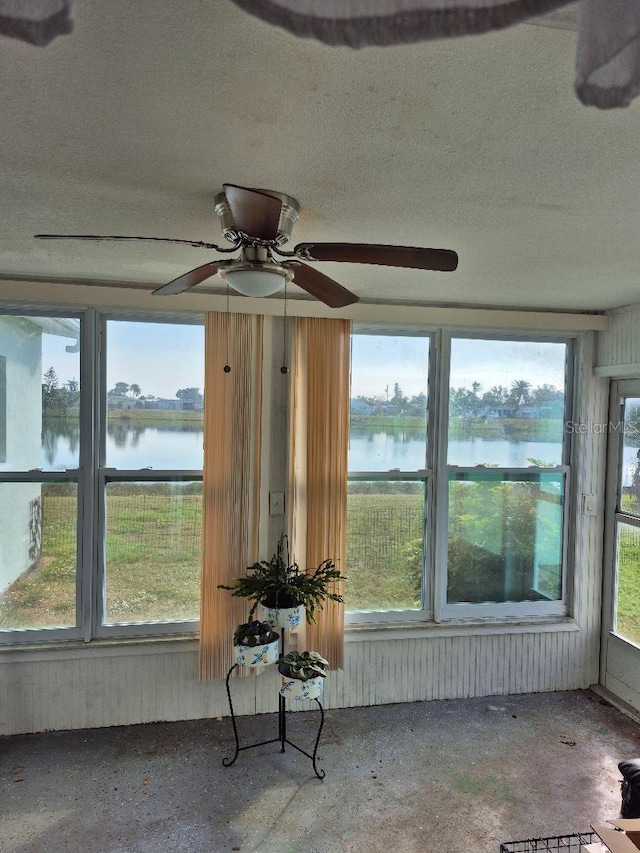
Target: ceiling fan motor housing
289, 215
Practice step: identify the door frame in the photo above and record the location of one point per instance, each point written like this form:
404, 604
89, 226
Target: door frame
619, 657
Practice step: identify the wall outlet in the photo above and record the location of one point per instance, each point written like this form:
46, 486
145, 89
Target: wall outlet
276, 503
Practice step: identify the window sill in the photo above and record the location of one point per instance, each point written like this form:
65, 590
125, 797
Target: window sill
188, 643
461, 628
116, 647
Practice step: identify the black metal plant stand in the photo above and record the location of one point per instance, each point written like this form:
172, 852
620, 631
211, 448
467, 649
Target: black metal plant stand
282, 727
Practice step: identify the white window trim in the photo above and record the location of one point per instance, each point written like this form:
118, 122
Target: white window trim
90, 477
436, 609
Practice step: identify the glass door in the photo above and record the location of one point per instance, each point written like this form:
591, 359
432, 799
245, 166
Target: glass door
621, 591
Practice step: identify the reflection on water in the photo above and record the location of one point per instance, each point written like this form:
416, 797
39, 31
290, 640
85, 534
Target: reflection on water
128, 445
60, 438
179, 446
385, 450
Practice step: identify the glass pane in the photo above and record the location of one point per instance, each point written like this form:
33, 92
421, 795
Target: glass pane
155, 377
630, 471
388, 403
38, 525
39, 393
506, 404
152, 551
385, 530
628, 583
505, 537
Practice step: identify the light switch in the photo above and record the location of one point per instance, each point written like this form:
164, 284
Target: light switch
276, 503
589, 505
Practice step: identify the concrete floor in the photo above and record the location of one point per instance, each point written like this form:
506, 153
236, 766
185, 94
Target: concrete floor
433, 777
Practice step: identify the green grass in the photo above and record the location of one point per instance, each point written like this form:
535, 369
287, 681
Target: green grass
384, 544
154, 538
628, 603
150, 417
152, 558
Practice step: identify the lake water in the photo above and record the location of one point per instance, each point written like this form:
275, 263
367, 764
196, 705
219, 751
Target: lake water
163, 447
168, 448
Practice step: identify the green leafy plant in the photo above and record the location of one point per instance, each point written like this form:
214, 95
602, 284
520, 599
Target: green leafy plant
254, 633
277, 584
302, 665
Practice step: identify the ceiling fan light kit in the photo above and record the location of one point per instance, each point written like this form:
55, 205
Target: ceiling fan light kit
258, 222
256, 279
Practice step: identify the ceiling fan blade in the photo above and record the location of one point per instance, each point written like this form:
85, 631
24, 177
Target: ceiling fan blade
190, 279
444, 260
197, 243
321, 286
255, 213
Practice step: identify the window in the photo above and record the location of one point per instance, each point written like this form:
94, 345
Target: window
100, 487
389, 475
626, 623
3, 408
467, 519
40, 478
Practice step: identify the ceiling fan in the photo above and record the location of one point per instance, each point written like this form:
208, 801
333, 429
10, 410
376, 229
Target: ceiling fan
257, 223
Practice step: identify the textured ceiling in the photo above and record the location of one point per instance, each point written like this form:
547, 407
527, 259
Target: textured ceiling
131, 125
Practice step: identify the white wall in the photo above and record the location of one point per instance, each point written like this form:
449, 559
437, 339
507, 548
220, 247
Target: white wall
101, 684
21, 343
618, 350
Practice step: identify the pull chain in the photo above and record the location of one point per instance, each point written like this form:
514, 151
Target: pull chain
284, 369
227, 367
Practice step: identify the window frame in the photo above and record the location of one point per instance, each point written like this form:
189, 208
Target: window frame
425, 475
105, 475
435, 608
91, 477
78, 475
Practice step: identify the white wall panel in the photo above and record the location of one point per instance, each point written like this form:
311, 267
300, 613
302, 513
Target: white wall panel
618, 352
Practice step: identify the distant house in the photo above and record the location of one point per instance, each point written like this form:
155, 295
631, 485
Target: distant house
531, 412
120, 401
360, 407
21, 449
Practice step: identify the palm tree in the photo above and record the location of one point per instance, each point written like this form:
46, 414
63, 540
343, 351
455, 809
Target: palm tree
135, 390
520, 391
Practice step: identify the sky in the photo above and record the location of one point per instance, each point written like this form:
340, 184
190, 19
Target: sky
379, 361
163, 357
159, 357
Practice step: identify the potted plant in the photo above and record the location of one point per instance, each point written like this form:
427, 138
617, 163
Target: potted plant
255, 644
285, 590
302, 675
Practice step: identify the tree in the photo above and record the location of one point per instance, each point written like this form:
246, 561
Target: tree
399, 401
135, 390
496, 396
72, 392
191, 395
519, 392
119, 389
49, 388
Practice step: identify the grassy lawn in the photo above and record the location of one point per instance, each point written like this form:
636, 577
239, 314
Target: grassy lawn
384, 551
152, 558
154, 537
154, 417
628, 605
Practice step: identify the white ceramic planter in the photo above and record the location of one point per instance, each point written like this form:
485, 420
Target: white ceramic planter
257, 655
284, 617
293, 688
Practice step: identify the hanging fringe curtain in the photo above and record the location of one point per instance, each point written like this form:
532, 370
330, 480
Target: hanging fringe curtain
319, 432
232, 417
36, 21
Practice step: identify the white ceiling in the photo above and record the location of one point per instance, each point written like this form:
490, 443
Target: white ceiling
131, 125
